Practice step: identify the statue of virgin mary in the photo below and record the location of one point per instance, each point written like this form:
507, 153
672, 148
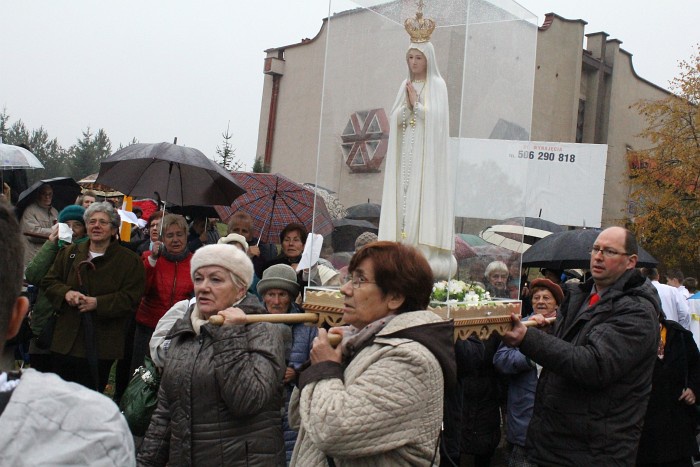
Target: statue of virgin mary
419, 179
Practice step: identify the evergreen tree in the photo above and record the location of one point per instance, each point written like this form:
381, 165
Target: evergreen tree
89, 152
259, 167
227, 154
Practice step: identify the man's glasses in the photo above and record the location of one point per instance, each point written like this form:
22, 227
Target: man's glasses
607, 252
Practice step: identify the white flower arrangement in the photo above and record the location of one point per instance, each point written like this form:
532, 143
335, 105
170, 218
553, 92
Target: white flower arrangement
459, 292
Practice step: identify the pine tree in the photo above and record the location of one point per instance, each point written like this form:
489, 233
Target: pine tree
89, 152
227, 154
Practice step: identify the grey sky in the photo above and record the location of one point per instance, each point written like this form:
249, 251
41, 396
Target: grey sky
159, 69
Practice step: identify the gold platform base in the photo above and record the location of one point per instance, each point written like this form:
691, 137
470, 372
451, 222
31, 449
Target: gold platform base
481, 320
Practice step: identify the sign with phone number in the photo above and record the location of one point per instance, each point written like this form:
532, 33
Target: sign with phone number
560, 182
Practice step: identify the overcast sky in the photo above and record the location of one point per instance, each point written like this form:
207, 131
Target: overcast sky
169, 68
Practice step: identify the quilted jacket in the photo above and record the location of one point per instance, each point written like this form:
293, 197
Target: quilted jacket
220, 397
386, 407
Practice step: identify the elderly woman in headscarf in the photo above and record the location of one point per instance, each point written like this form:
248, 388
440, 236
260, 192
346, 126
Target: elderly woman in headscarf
168, 281
279, 290
94, 286
72, 215
522, 373
377, 399
221, 389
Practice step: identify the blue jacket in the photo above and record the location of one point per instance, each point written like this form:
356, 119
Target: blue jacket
296, 355
522, 382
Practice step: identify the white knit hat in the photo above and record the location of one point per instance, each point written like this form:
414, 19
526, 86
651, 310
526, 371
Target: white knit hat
226, 256
235, 238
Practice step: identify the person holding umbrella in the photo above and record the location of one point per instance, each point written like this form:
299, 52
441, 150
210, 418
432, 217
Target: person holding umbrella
37, 220
95, 286
168, 281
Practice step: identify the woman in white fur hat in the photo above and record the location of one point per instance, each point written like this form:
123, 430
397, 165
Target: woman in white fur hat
221, 390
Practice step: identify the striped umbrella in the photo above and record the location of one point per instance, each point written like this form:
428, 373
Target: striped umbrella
274, 201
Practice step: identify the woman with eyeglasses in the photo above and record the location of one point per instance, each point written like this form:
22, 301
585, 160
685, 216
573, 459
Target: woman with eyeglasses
377, 399
102, 280
37, 219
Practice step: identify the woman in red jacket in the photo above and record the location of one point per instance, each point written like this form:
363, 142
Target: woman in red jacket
168, 281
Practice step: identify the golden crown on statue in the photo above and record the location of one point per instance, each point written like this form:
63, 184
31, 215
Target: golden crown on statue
419, 28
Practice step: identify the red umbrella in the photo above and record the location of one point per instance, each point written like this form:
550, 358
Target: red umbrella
274, 201
462, 249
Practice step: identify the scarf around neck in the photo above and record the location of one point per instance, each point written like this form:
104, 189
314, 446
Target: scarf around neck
354, 340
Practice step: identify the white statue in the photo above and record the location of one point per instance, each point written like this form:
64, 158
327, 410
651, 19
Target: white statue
419, 180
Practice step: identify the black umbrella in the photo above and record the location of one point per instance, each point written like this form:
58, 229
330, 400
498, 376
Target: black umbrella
65, 191
346, 231
571, 249
179, 175
364, 211
194, 211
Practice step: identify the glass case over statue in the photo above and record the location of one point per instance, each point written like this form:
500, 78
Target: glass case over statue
408, 90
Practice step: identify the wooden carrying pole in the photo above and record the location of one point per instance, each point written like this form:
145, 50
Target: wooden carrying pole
314, 318
286, 318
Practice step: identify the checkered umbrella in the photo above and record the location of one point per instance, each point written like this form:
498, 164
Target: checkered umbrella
274, 201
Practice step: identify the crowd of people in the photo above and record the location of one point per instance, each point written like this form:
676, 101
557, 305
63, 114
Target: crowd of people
613, 381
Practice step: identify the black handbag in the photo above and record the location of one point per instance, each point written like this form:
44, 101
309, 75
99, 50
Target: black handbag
141, 397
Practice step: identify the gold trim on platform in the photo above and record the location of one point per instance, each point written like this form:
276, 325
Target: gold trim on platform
481, 320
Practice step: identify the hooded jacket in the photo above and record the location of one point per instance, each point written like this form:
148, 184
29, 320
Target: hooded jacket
49, 421
386, 406
593, 391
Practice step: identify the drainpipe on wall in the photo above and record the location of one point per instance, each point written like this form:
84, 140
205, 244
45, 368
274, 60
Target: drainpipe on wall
274, 66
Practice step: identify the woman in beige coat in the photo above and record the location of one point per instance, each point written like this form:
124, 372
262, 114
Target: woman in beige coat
377, 399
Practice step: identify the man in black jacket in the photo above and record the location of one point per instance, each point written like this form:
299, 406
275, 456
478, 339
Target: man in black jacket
597, 366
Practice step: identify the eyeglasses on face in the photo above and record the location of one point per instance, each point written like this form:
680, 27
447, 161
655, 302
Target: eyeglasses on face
607, 252
101, 222
356, 280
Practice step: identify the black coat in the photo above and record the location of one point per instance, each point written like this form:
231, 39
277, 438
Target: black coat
669, 425
220, 397
593, 390
481, 396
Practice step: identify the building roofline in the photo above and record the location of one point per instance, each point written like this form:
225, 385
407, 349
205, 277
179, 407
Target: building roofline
549, 19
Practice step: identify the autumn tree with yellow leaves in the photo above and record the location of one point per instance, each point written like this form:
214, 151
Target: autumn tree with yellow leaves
666, 176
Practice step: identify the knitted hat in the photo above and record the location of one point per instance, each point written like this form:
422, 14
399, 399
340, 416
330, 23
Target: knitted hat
226, 256
72, 212
549, 285
364, 239
235, 238
279, 276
